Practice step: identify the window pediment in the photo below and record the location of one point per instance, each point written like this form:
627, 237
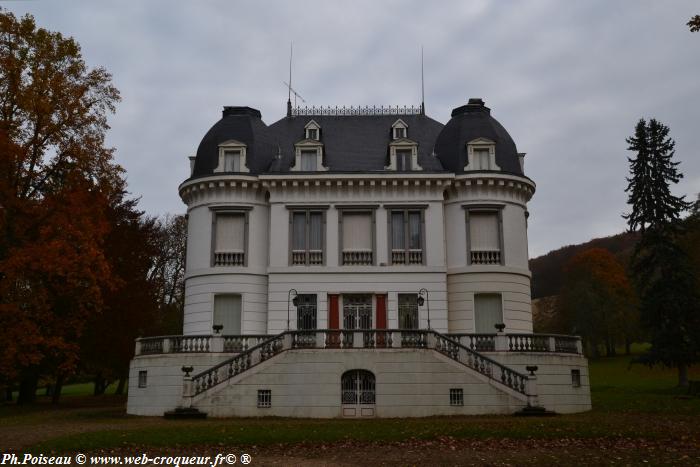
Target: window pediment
481, 155
399, 130
232, 157
312, 131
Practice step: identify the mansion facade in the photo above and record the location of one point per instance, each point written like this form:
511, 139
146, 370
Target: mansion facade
357, 262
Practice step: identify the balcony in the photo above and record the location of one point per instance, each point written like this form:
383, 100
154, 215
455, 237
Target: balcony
485, 257
229, 258
307, 257
357, 257
406, 256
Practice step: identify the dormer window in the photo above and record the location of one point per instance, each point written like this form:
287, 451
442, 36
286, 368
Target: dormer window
311, 130
232, 155
403, 160
309, 161
481, 155
399, 129
232, 160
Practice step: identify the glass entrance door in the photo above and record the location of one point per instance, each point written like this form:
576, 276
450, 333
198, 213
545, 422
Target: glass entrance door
357, 311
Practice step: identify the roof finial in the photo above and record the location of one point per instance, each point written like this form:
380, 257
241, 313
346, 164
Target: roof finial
422, 84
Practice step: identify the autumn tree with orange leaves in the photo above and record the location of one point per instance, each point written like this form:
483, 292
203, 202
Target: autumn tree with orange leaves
56, 180
598, 302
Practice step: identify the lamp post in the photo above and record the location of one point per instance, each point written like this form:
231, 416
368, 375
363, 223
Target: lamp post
295, 302
422, 300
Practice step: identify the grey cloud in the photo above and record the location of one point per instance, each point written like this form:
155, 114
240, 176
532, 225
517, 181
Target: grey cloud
568, 79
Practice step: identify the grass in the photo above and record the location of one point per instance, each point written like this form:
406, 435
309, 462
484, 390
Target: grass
630, 402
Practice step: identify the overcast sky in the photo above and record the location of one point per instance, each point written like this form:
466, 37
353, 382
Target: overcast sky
567, 79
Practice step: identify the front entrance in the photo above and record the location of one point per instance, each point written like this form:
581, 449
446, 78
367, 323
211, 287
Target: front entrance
357, 311
358, 395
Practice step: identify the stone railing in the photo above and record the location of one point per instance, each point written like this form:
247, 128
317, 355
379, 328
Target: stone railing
484, 365
243, 343
357, 257
358, 339
310, 257
341, 339
229, 258
544, 343
485, 257
478, 342
400, 256
196, 344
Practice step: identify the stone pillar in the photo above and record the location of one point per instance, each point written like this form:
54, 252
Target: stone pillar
137, 347
216, 344
501, 342
166, 345
187, 392
552, 341
531, 391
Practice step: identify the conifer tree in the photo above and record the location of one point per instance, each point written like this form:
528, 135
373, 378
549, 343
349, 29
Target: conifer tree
670, 307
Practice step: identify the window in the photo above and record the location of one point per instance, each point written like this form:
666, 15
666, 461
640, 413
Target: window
403, 160
399, 133
576, 378
481, 159
306, 311
408, 311
227, 313
456, 396
484, 237
399, 129
143, 378
232, 161
358, 387
229, 238
308, 161
406, 228
264, 398
311, 130
307, 237
488, 312
232, 155
357, 311
357, 238
312, 133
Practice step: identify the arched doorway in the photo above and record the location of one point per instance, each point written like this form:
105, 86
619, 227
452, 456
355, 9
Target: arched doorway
358, 395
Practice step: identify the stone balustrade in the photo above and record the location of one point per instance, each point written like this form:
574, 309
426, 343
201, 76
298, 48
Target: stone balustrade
372, 338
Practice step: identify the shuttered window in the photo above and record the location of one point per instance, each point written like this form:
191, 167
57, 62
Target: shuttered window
230, 232
484, 233
357, 231
487, 312
227, 312
308, 161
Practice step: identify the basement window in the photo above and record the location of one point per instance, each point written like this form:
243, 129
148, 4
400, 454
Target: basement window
264, 398
576, 378
143, 378
456, 396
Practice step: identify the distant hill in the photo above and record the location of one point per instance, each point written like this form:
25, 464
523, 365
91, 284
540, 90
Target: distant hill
547, 269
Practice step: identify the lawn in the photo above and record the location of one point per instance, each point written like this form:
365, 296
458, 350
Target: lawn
639, 416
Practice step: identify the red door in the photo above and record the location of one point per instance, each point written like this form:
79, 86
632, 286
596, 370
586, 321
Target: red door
381, 320
333, 321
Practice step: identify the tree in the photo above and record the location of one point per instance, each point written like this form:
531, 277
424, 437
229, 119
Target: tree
662, 271
694, 23
168, 272
597, 301
56, 179
129, 308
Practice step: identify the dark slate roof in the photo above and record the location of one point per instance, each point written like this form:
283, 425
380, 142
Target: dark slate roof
470, 122
241, 124
357, 143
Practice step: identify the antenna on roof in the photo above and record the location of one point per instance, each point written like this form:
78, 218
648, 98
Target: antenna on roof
422, 84
289, 86
290, 89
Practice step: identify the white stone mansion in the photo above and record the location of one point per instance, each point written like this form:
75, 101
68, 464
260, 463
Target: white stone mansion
357, 262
